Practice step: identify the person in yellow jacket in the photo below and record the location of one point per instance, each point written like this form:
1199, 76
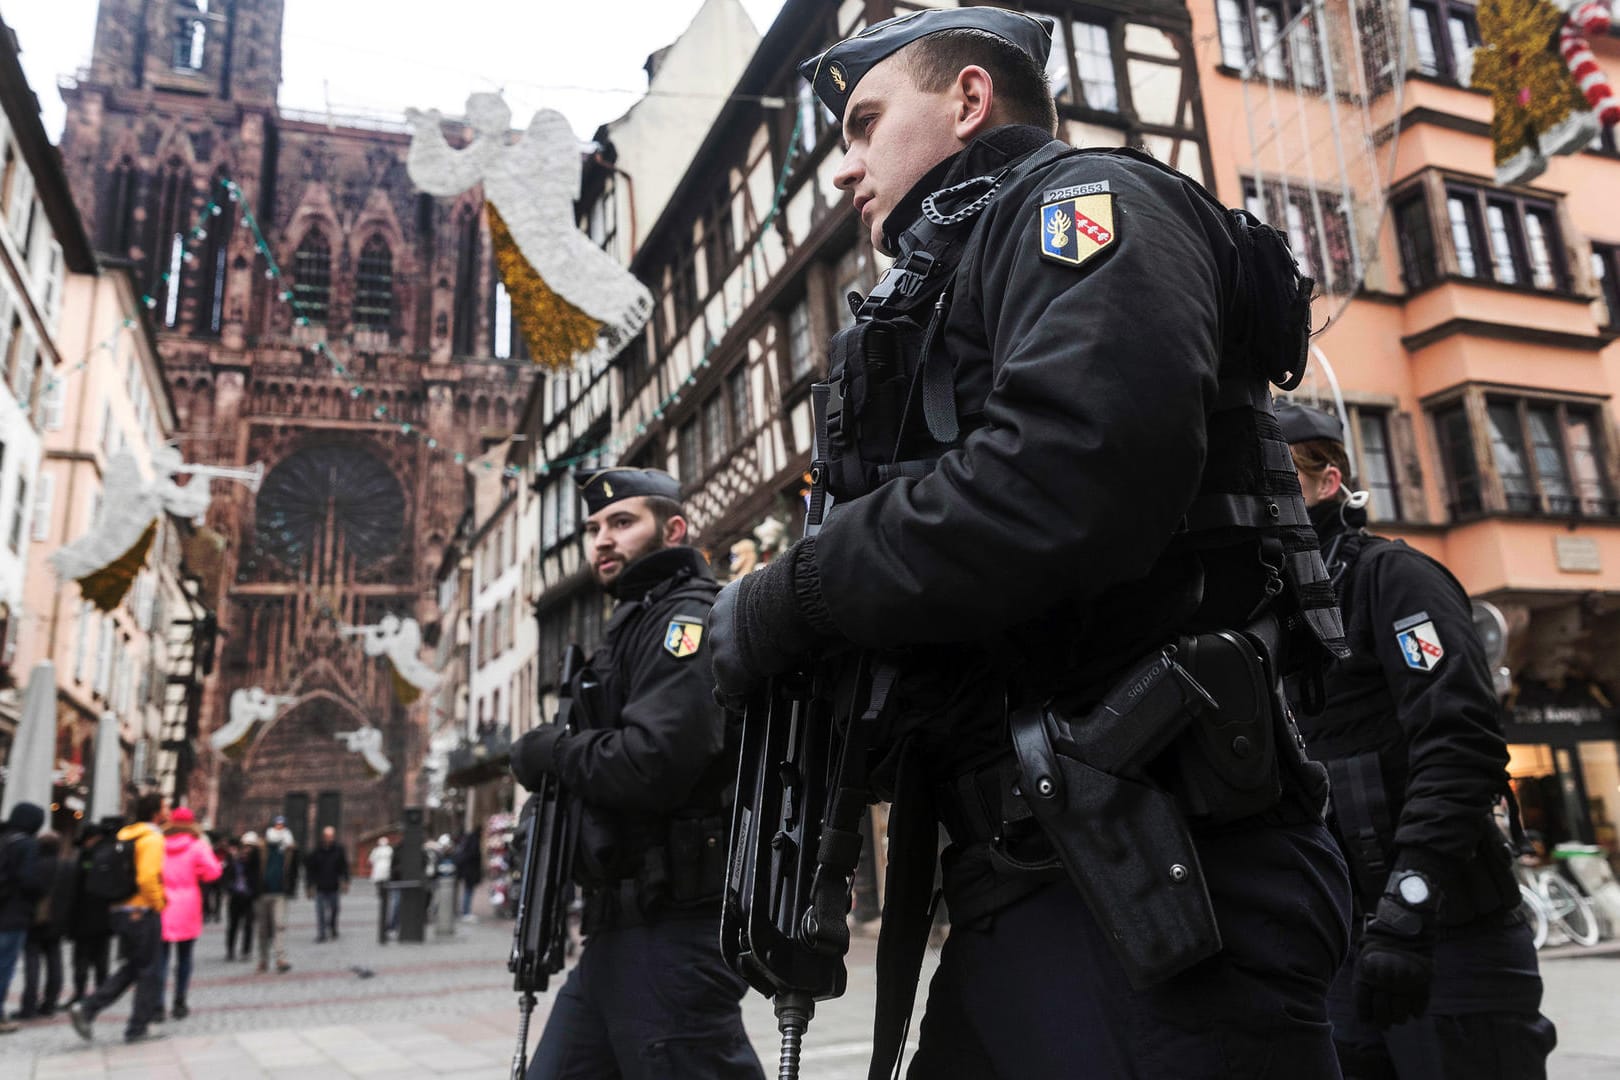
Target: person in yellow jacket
137, 922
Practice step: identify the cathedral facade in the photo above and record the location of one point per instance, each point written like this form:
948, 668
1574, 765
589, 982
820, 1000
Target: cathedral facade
358, 344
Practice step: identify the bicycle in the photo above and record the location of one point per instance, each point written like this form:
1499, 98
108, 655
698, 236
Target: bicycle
1551, 901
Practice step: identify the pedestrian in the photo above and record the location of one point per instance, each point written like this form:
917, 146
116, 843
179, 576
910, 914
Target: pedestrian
382, 871
1058, 516
188, 864
53, 875
1443, 977
242, 889
469, 871
213, 892
326, 871
135, 856
651, 764
89, 921
278, 883
20, 890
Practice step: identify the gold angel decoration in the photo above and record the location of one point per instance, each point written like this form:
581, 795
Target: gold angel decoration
574, 303
367, 742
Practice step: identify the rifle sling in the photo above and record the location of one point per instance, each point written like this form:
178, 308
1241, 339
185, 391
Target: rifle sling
907, 910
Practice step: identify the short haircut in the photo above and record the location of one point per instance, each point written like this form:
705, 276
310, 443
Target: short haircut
1313, 456
148, 805
1023, 95
663, 508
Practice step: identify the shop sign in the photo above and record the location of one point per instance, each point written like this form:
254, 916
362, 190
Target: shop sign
1560, 714
1577, 555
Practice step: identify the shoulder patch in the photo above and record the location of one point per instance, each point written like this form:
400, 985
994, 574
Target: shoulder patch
683, 636
1420, 642
1077, 228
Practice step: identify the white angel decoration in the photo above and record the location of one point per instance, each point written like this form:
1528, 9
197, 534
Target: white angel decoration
400, 641
367, 742
574, 303
249, 708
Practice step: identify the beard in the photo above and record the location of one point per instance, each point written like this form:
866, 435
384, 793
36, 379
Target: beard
624, 558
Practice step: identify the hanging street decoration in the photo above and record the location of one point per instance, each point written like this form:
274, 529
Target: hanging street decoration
105, 560
573, 301
1548, 96
400, 641
367, 742
250, 707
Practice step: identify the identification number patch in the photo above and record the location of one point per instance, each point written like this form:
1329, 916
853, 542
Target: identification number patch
1077, 229
683, 637
1419, 642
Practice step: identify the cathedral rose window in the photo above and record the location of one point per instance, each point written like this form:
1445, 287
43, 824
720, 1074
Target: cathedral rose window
337, 495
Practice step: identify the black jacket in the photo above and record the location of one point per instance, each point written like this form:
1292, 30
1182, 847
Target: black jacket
1082, 392
56, 883
327, 868
88, 916
20, 884
652, 744
245, 861
1417, 693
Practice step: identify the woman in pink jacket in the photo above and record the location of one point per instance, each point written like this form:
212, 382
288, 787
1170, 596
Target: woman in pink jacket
188, 861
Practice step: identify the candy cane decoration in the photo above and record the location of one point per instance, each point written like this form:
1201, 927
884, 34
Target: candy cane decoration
1585, 19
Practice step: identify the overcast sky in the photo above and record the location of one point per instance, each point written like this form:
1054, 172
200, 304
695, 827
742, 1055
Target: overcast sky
379, 56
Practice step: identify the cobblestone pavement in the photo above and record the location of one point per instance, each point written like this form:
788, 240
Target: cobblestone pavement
446, 1008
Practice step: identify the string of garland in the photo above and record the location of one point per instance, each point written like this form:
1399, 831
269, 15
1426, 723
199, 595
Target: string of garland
287, 294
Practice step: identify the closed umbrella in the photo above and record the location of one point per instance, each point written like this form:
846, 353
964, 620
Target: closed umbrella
33, 751
105, 781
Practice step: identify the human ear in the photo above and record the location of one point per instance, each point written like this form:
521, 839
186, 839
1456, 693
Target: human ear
974, 98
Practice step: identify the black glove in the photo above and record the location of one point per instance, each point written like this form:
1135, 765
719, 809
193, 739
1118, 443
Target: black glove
1396, 964
760, 624
535, 754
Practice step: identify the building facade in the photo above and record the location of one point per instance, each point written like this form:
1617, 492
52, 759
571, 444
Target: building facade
350, 337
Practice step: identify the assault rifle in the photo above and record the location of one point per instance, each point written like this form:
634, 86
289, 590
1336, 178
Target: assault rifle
540, 938
795, 835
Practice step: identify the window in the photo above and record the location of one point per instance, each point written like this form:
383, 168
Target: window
503, 322
715, 442
190, 43
1419, 265
312, 277
1606, 272
687, 452
1096, 60
634, 359
1548, 456
1317, 228
1504, 238
684, 291
465, 315
1444, 36
42, 505
1457, 453
1376, 465
374, 286
800, 360
1252, 32
19, 516
215, 257
739, 405
173, 273
720, 243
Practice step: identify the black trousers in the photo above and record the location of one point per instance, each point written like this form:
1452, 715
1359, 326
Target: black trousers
1484, 1018
646, 1003
41, 955
239, 917
1038, 993
89, 953
140, 936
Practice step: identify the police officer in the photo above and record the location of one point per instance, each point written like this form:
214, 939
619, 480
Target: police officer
651, 764
1443, 980
1082, 470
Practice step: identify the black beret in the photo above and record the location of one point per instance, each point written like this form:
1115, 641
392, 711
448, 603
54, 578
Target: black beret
834, 74
603, 487
1302, 423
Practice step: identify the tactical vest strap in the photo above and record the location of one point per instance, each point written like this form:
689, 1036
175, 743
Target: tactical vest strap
1243, 511
1361, 812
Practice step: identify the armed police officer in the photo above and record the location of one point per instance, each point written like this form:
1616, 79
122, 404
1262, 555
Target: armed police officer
1066, 519
1443, 980
651, 762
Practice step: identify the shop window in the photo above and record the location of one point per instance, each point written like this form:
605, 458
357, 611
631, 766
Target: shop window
1444, 35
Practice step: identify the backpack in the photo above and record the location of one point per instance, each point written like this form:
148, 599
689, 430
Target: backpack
110, 873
